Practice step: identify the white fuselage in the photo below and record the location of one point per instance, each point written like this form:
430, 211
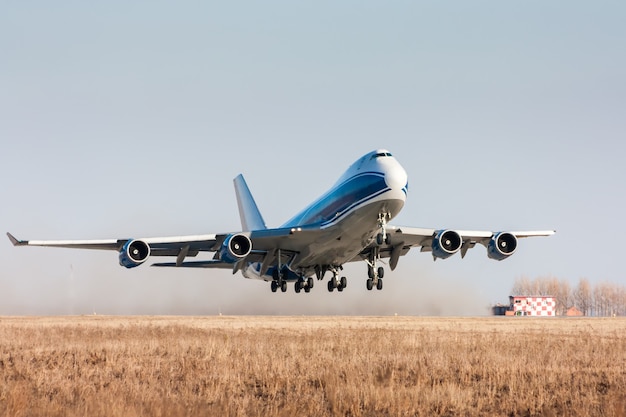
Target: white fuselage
349, 213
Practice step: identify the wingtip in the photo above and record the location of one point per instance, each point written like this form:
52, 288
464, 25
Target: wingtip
14, 240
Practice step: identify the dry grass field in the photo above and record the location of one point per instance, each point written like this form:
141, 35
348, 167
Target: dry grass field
317, 366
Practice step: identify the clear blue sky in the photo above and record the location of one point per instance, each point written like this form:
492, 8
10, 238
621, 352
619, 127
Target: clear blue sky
130, 120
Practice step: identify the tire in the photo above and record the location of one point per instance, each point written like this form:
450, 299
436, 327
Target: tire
381, 272
370, 272
379, 284
274, 286
343, 282
379, 239
310, 283
330, 286
369, 284
297, 287
283, 287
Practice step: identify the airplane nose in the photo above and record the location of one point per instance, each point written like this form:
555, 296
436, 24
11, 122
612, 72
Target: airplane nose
395, 176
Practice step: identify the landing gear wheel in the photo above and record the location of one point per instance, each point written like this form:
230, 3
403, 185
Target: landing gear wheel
274, 286
369, 284
343, 282
335, 281
278, 278
380, 239
307, 289
298, 287
379, 284
283, 286
310, 283
370, 271
381, 272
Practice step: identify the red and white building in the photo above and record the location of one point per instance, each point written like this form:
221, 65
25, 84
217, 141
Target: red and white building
537, 306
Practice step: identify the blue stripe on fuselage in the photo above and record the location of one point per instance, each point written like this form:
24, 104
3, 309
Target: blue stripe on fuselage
341, 199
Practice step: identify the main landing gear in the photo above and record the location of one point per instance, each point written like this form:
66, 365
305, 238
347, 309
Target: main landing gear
305, 284
278, 282
335, 282
276, 285
375, 276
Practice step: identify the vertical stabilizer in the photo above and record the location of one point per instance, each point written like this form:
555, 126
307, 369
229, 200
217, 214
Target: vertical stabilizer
251, 218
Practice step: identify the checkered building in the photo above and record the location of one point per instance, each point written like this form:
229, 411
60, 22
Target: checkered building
538, 306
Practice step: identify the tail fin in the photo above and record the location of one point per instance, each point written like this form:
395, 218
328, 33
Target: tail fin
251, 218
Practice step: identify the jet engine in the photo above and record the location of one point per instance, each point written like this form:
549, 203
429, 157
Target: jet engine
501, 246
446, 243
235, 248
134, 253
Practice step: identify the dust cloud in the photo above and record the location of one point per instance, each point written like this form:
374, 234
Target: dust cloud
86, 289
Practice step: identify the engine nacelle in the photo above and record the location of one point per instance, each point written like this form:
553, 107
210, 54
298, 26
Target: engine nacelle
235, 248
134, 253
446, 243
501, 246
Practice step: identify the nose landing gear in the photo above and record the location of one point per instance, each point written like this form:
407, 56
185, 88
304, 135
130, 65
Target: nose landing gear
383, 237
375, 273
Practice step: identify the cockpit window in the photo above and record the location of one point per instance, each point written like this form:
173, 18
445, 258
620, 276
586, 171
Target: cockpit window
380, 155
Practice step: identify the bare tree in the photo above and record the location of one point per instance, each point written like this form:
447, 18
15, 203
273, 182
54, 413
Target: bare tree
563, 295
583, 296
621, 301
538, 286
598, 300
608, 300
522, 286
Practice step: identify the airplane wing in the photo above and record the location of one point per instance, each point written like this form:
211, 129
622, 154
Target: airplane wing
444, 243
289, 246
160, 246
134, 252
262, 246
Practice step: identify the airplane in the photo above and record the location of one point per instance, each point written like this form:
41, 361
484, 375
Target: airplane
348, 223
